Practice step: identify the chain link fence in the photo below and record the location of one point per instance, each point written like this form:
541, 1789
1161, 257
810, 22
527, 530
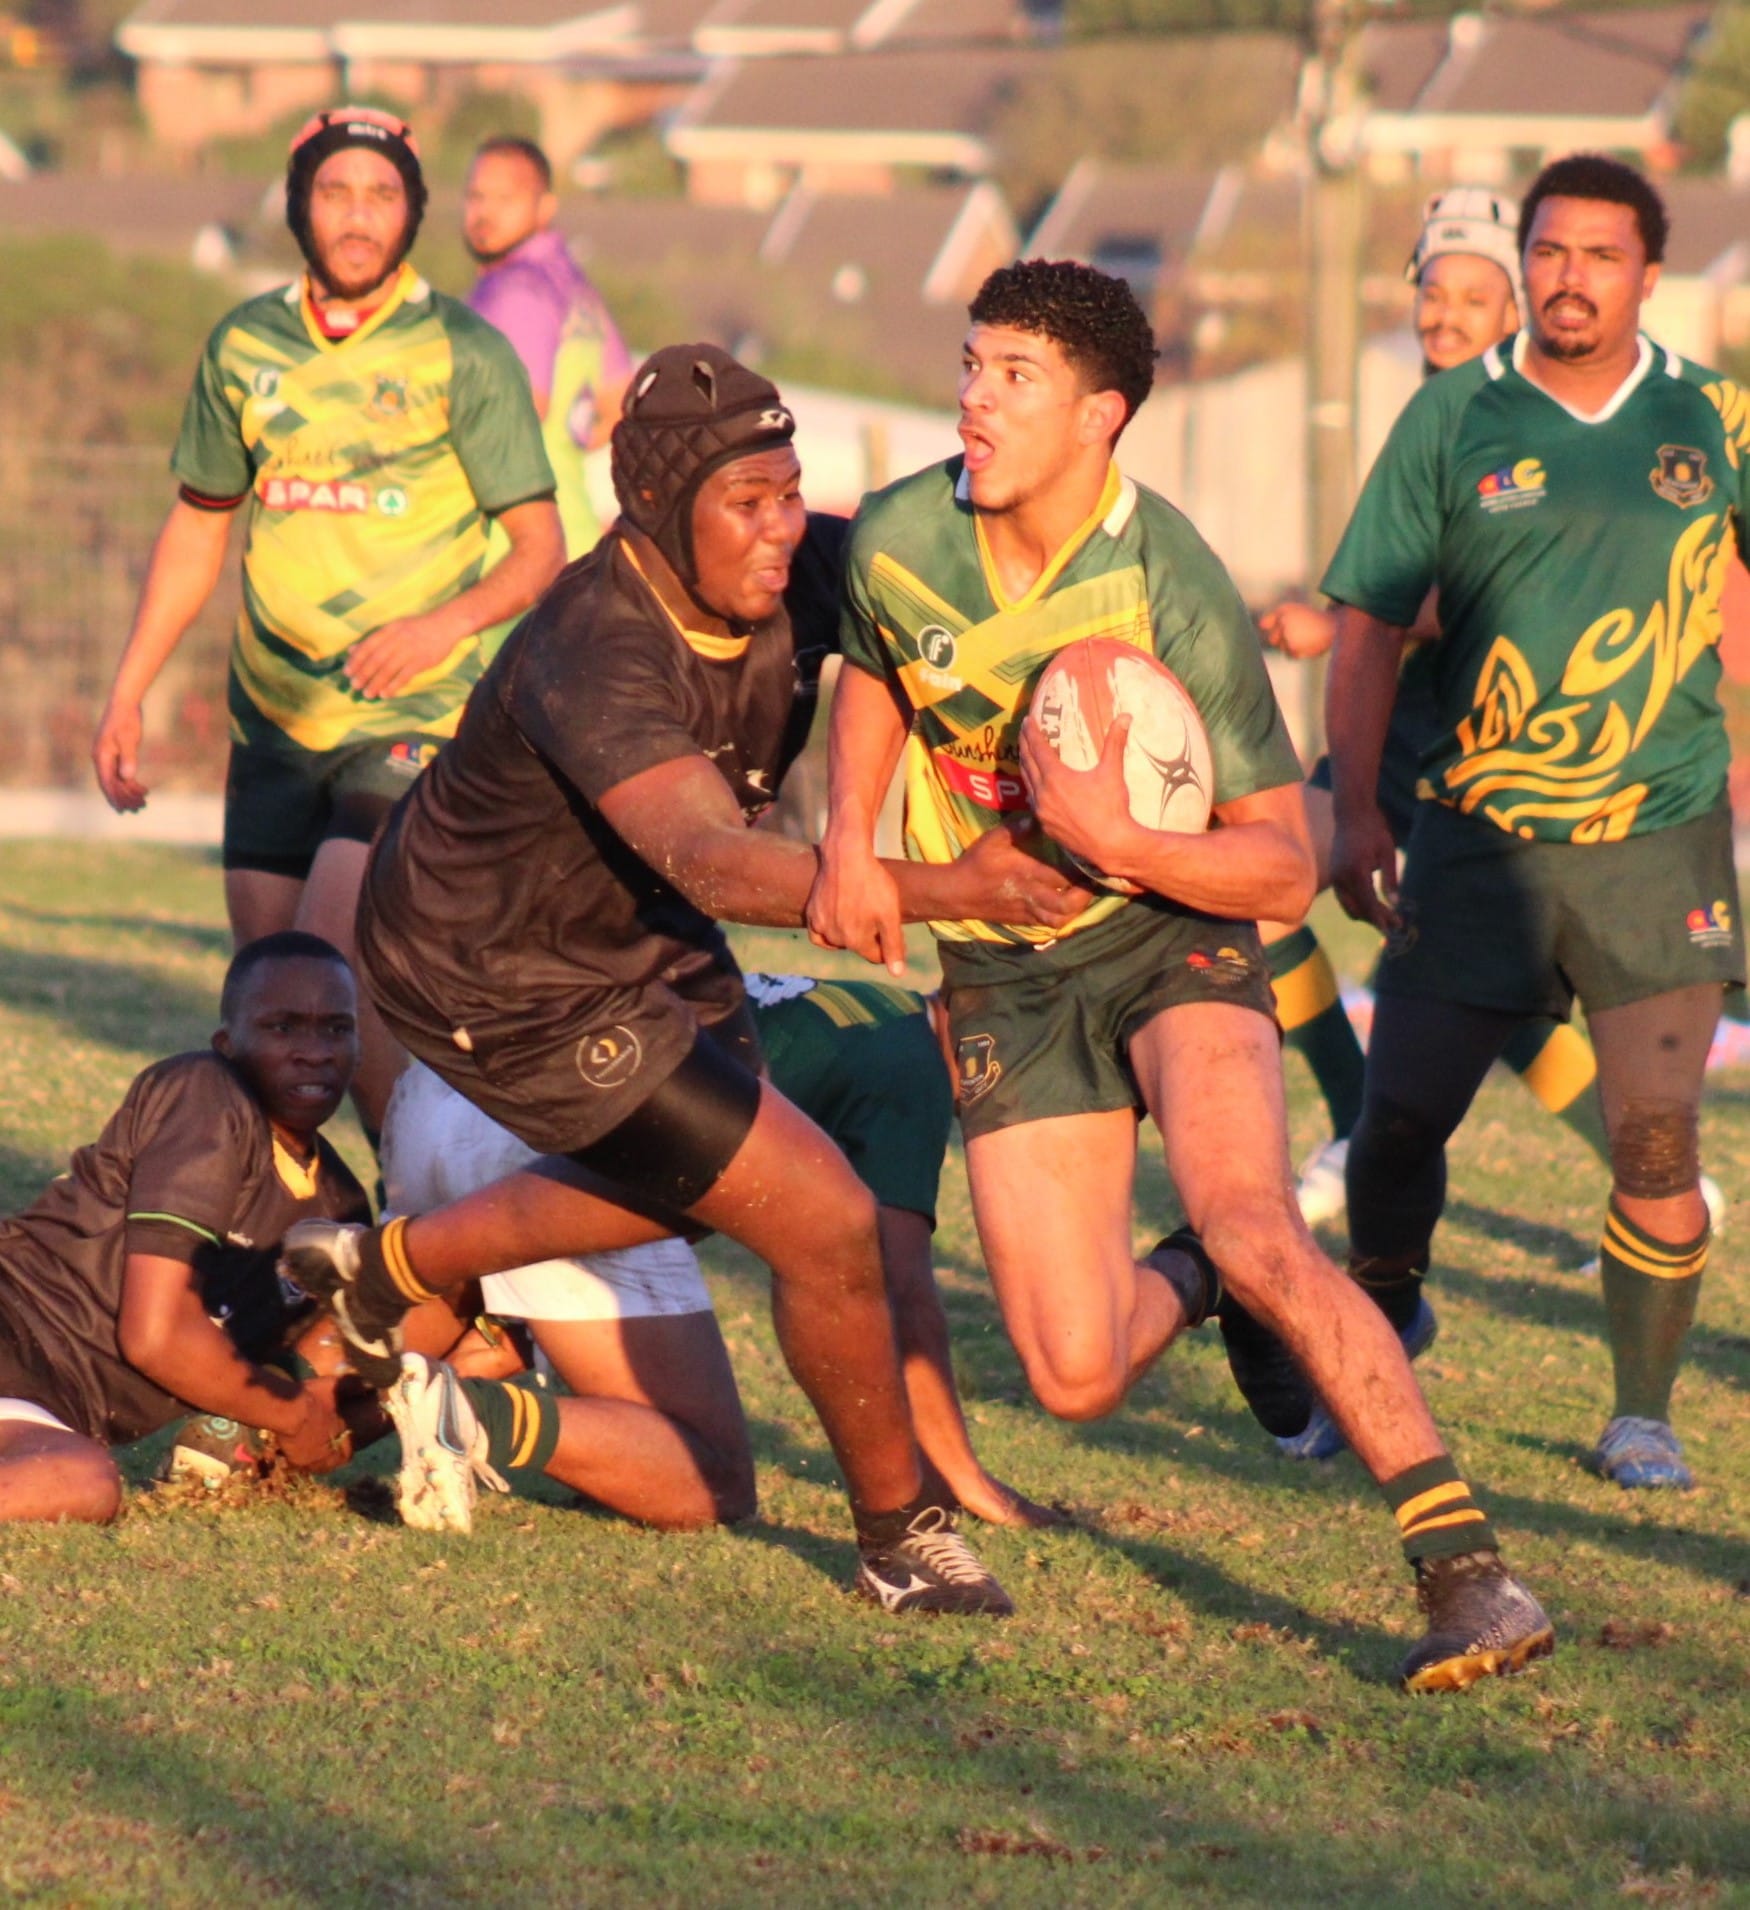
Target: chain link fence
77, 524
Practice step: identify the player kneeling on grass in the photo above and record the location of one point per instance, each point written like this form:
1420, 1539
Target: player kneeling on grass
141, 1284
964, 582
655, 1429
539, 925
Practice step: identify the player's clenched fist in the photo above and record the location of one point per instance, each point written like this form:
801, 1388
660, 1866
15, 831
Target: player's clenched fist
115, 754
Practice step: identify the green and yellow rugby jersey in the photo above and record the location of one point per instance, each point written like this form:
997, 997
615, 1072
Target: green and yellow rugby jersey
926, 612
1580, 563
373, 465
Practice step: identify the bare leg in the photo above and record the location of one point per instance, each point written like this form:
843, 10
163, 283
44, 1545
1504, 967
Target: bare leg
51, 1473
789, 1196
260, 904
1211, 1072
1052, 1202
329, 908
656, 1430
927, 1362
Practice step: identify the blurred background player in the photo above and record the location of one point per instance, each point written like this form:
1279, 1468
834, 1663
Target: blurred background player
141, 1284
1572, 836
633, 1333
540, 925
532, 288
375, 430
963, 583
1465, 269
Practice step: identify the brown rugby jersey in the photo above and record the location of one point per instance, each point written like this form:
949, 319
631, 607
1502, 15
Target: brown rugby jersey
497, 894
187, 1169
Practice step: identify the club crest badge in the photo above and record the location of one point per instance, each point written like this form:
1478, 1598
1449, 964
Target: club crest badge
975, 1058
1680, 476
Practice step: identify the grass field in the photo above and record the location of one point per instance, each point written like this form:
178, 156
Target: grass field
289, 1702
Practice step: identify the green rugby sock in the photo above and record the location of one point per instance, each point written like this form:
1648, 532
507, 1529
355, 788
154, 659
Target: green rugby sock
1650, 1291
522, 1423
1556, 1062
1315, 1024
1436, 1514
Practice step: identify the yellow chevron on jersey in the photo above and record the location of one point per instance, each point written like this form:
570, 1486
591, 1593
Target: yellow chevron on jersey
926, 611
372, 465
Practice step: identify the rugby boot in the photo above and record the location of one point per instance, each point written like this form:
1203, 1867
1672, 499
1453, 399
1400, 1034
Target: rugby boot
1323, 1438
929, 1568
1641, 1454
321, 1258
1482, 1623
1267, 1374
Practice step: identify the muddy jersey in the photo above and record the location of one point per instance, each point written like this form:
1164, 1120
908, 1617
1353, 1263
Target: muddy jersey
926, 612
372, 465
1580, 564
187, 1169
497, 892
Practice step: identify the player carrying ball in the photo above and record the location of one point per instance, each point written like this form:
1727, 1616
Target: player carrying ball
539, 926
965, 580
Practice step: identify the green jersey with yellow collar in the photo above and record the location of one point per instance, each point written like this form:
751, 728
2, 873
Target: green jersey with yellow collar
1580, 563
927, 613
372, 464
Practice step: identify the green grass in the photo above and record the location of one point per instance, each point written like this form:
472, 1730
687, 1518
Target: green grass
290, 1703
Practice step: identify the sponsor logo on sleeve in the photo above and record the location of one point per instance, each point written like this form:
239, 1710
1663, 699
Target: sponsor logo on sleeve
1512, 487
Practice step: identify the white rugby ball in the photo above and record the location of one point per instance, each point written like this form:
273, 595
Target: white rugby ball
1168, 773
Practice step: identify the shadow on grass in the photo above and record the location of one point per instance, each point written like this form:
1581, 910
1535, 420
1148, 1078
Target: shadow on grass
200, 938
23, 1176
117, 1004
82, 1743
1566, 1248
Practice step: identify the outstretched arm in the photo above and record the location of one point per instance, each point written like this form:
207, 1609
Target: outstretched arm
682, 819
184, 567
164, 1331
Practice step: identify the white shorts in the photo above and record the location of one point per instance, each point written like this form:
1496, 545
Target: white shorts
437, 1146
29, 1413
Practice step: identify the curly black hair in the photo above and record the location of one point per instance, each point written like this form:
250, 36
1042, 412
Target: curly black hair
1597, 176
1091, 317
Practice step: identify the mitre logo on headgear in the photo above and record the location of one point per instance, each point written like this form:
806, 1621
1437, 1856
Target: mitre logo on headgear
777, 418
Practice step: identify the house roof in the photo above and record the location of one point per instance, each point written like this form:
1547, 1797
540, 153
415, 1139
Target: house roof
1710, 219
1398, 60
132, 212
1103, 202
1563, 65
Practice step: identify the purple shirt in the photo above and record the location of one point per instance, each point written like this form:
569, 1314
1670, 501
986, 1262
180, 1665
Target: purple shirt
538, 296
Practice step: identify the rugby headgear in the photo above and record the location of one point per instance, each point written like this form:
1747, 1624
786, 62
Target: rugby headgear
1475, 221
331, 132
690, 409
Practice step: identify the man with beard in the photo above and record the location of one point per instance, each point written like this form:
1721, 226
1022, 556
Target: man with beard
1575, 495
536, 293
377, 431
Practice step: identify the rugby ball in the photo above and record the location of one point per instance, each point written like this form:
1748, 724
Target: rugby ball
1168, 773
210, 1450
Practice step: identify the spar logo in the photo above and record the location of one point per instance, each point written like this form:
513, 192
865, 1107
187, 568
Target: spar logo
998, 788
1710, 927
344, 496
1512, 487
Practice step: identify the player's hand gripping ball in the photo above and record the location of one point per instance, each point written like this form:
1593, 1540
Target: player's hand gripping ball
1168, 774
